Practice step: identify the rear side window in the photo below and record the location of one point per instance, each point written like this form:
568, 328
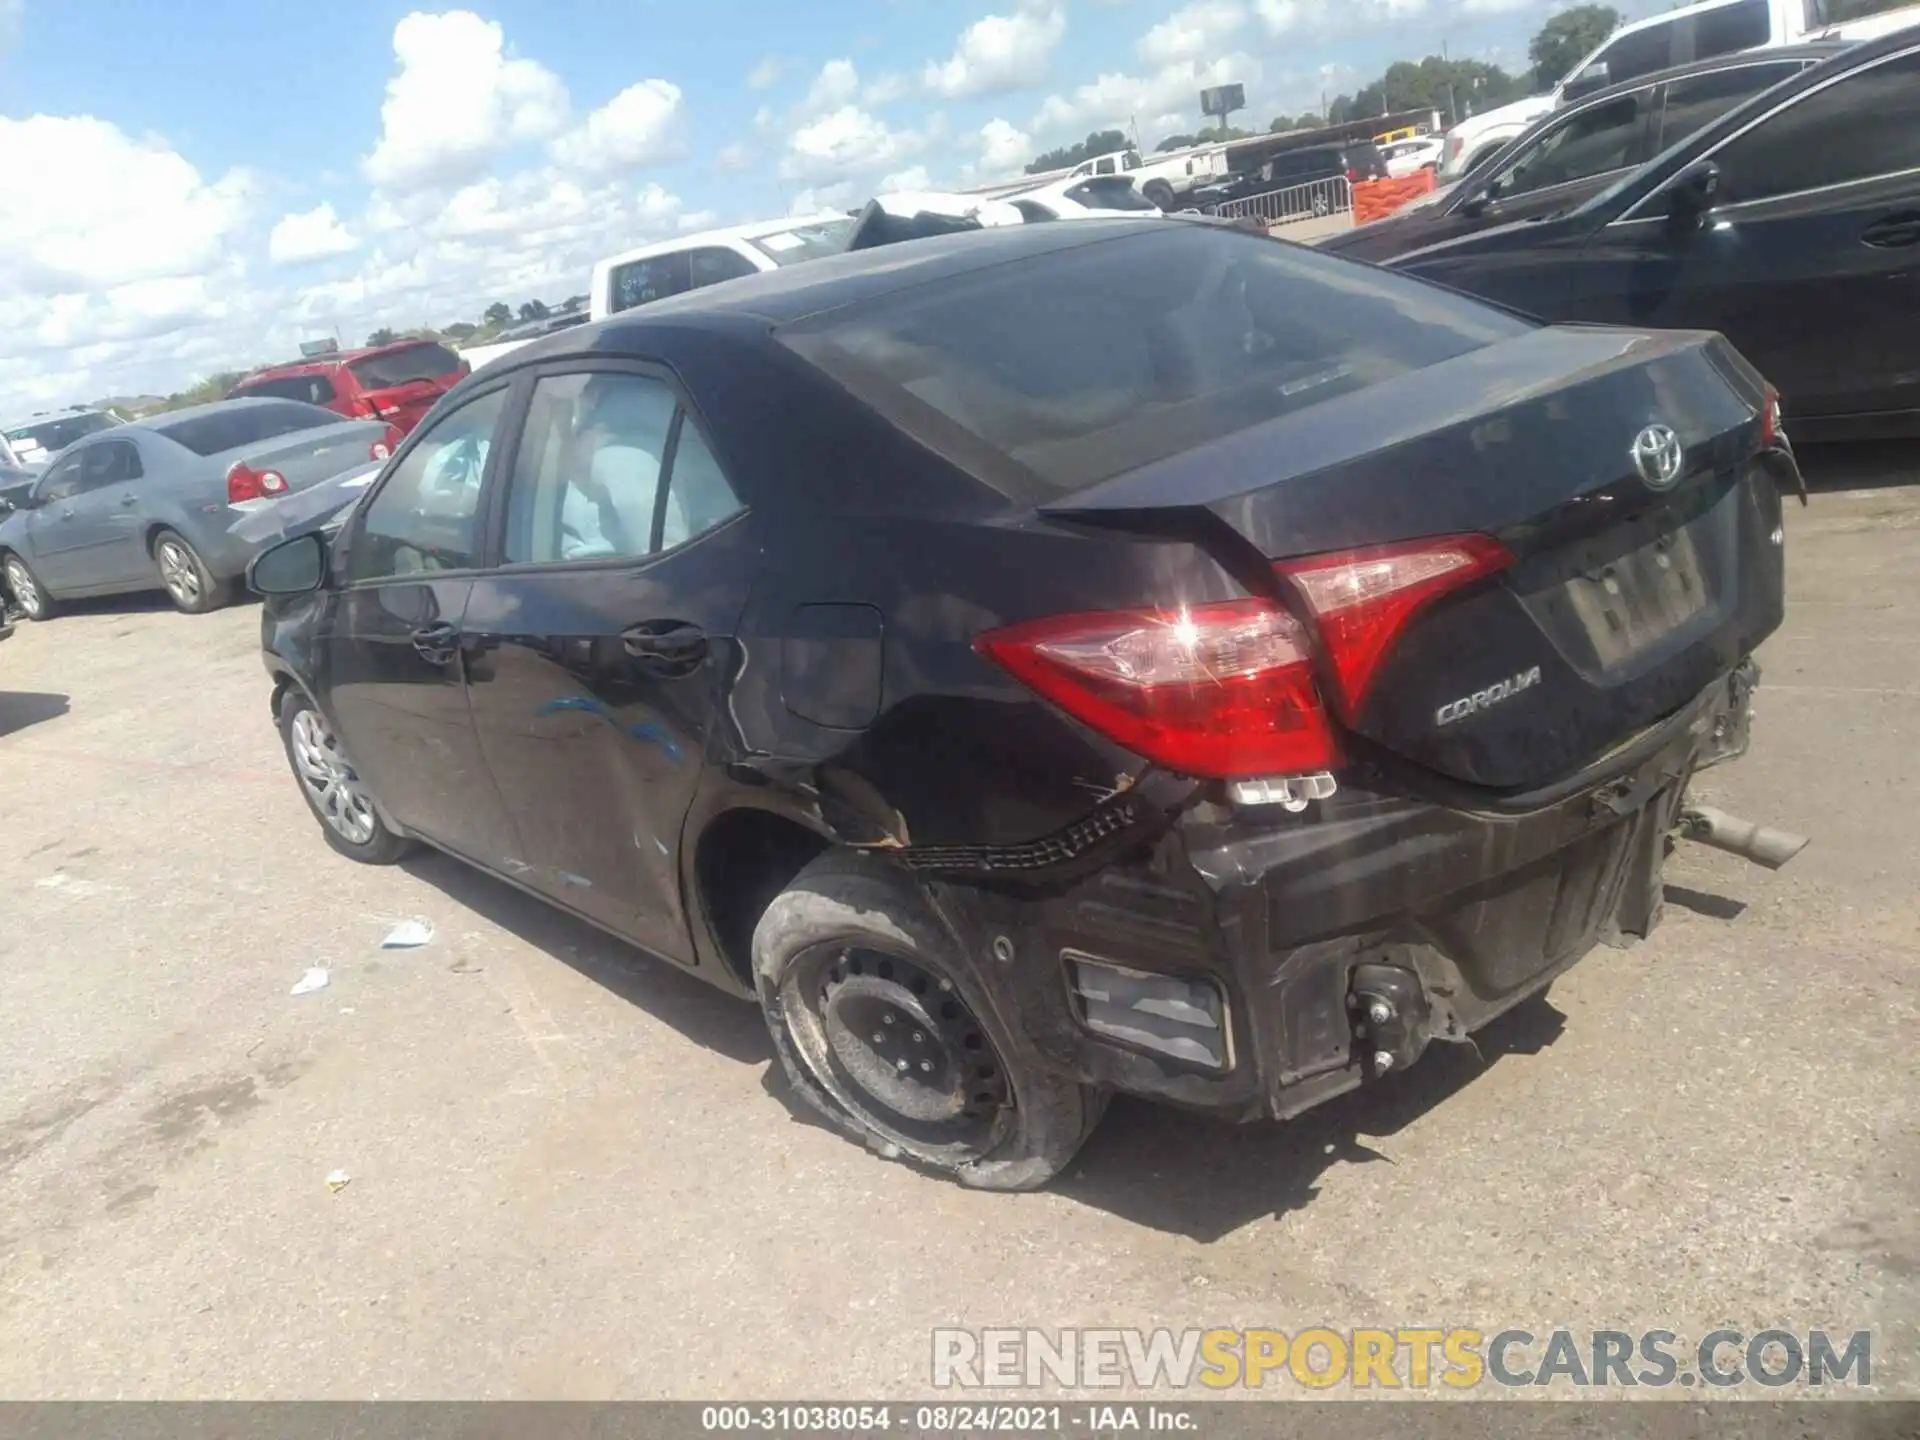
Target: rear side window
1133, 349
1637, 54
804, 242
397, 367
1693, 103
713, 263
641, 282
245, 423
311, 389
1865, 125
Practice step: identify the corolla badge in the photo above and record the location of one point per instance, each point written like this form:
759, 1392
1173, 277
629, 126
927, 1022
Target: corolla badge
1657, 456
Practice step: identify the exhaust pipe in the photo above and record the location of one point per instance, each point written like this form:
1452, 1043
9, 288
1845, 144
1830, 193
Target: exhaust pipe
1762, 844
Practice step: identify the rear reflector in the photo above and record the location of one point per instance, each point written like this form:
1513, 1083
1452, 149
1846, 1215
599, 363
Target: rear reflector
1364, 599
1227, 690
246, 483
1182, 1018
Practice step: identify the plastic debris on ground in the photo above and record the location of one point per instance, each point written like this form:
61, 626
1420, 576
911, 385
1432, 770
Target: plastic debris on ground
338, 1180
314, 979
408, 935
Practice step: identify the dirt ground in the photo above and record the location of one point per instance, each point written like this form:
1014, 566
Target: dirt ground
572, 1173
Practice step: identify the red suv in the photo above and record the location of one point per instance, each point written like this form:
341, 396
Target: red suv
397, 383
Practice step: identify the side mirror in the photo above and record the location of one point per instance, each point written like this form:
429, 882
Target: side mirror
1691, 194
293, 567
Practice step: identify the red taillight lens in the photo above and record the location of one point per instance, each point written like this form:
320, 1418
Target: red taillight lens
1770, 430
1228, 689
1352, 176
1216, 690
1363, 599
246, 483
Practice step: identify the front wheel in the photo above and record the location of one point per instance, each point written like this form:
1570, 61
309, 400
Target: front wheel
185, 577
1159, 192
332, 787
34, 602
881, 1026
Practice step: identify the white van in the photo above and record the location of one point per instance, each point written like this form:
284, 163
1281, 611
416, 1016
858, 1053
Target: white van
1693, 32
669, 267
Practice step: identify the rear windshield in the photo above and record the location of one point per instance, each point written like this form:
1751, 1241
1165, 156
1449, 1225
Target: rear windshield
52, 435
247, 423
1080, 364
397, 367
804, 242
1110, 192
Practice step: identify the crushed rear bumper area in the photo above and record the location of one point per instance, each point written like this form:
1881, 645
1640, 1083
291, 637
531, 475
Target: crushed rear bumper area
1257, 963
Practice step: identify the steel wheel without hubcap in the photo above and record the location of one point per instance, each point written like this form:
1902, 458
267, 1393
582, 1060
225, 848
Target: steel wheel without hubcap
25, 592
897, 1048
331, 783
179, 572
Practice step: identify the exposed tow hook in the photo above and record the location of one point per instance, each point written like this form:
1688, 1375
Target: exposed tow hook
1762, 844
1390, 1016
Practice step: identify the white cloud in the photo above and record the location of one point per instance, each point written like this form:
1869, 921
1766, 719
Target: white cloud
697, 220
733, 157
1000, 52
837, 84
1112, 100
914, 177
639, 126
886, 90
143, 213
1200, 30
314, 234
1325, 17
457, 101
843, 144
766, 74
1003, 147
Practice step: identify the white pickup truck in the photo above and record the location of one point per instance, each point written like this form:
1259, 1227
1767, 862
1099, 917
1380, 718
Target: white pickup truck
1693, 32
1163, 179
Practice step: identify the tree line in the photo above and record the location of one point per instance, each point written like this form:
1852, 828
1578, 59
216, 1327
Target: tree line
1456, 88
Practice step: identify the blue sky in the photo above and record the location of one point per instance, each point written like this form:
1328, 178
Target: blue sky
197, 186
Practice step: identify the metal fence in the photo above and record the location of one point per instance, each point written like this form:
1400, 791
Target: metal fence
1297, 202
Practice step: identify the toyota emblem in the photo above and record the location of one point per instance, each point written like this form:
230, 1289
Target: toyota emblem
1657, 455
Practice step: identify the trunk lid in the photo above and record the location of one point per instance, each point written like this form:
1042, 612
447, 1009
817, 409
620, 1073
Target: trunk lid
1625, 598
306, 457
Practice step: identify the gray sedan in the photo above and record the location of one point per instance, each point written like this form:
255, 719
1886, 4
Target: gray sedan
152, 505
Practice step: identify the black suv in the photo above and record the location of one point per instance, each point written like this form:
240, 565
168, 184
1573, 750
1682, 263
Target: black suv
1352, 160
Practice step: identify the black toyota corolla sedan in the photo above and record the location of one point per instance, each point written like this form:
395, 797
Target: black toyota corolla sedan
1124, 656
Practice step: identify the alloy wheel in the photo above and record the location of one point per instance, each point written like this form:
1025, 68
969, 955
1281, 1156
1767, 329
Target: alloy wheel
895, 1045
330, 781
179, 573
25, 592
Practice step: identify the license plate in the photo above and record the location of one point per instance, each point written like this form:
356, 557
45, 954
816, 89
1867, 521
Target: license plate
1641, 598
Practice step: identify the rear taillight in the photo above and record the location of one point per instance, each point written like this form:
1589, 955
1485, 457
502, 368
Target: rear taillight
246, 483
1770, 430
1217, 690
1352, 176
1228, 689
1363, 599
386, 444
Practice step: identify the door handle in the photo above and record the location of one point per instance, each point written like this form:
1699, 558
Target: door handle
666, 645
66, 514
1894, 232
436, 643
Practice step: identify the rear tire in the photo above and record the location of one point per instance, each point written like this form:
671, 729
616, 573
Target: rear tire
185, 577
1159, 192
29, 595
882, 1027
331, 787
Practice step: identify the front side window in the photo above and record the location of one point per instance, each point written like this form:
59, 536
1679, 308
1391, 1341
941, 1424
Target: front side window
1727, 29
1694, 102
610, 467
641, 282
1592, 142
1640, 53
1865, 125
426, 518
62, 481
108, 463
